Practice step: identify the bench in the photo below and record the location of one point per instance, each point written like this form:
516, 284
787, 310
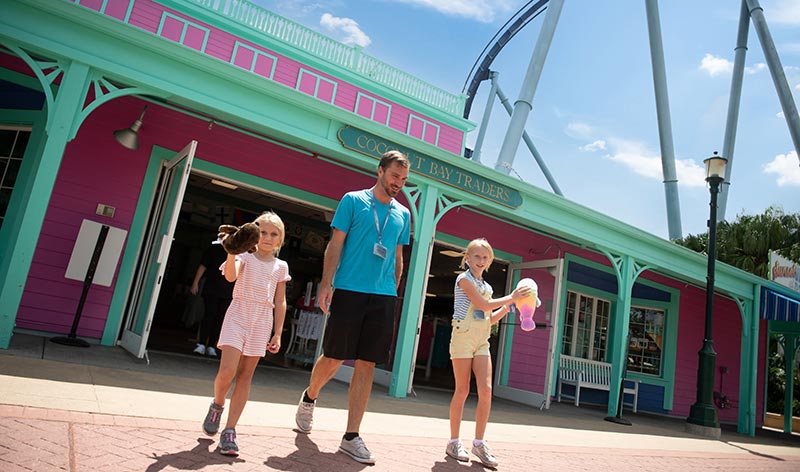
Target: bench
585, 373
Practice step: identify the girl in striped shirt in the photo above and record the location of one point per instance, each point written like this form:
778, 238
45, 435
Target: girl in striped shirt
474, 313
256, 312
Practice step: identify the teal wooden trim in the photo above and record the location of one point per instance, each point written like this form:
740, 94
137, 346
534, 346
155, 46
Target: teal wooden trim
186, 24
256, 54
319, 79
20, 79
414, 295
507, 337
748, 368
46, 81
362, 96
130, 254
28, 214
425, 124
293, 40
12, 237
21, 118
104, 92
671, 317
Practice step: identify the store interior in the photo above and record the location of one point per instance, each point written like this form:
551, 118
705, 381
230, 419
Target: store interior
210, 201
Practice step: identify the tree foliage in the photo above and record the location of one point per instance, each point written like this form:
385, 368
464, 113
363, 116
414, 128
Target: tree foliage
746, 242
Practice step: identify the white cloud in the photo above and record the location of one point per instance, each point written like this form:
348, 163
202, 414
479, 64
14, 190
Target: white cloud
636, 156
484, 11
785, 12
346, 29
580, 130
716, 65
787, 169
797, 87
755, 69
780, 115
594, 146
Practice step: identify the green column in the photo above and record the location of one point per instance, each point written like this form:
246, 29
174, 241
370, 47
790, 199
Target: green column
789, 351
748, 366
414, 292
17, 256
619, 329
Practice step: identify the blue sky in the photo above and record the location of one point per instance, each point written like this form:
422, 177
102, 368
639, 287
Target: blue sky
594, 117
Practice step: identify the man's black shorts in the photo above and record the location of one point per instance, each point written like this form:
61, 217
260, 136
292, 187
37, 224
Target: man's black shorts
360, 326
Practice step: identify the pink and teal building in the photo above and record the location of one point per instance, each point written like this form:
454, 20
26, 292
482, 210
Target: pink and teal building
248, 111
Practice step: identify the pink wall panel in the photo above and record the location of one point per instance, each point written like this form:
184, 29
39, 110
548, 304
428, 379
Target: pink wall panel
92, 4
172, 29
308, 84
364, 107
118, 8
194, 37
244, 58
264, 65
96, 169
381, 113
325, 91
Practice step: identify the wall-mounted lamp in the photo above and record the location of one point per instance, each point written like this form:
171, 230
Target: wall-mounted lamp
129, 137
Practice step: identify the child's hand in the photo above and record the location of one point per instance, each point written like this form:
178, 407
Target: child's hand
274, 344
521, 292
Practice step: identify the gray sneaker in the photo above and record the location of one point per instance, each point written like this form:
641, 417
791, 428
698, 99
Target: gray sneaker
211, 423
305, 415
227, 442
457, 451
485, 455
356, 449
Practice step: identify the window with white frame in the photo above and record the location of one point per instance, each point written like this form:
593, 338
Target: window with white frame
646, 340
423, 129
316, 85
13, 142
372, 108
586, 327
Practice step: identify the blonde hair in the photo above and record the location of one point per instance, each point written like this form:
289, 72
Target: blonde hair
272, 217
474, 244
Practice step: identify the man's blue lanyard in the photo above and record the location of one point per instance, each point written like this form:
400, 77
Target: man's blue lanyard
385, 220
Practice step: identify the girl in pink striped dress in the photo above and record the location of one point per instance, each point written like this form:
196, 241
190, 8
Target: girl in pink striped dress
257, 311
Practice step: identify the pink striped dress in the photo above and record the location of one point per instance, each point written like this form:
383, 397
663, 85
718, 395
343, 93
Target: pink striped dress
248, 321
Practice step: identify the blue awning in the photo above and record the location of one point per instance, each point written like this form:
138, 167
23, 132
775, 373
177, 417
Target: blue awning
777, 307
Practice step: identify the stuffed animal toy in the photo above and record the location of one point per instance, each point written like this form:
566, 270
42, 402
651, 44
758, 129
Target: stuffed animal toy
240, 239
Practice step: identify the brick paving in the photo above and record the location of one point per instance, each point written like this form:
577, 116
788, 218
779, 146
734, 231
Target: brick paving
43, 440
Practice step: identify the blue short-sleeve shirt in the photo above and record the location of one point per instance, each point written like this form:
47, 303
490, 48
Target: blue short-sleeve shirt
360, 270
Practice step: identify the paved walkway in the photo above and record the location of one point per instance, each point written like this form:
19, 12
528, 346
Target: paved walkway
97, 409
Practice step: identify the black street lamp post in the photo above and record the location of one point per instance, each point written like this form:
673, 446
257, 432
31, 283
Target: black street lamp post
703, 412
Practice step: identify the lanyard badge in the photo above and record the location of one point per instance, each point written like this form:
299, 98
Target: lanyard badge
379, 249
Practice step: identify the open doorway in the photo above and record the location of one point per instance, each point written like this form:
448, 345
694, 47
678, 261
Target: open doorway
210, 201
432, 364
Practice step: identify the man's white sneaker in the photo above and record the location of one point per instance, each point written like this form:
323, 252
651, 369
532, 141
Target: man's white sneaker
211, 352
356, 449
305, 415
199, 349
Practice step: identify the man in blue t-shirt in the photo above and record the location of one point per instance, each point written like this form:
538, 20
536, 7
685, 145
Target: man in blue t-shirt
363, 262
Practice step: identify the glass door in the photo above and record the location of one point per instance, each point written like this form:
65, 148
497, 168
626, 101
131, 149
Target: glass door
526, 358
158, 235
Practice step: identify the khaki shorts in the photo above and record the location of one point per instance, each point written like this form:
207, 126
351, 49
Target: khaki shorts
470, 338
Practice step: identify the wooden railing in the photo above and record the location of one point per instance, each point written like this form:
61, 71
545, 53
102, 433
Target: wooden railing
325, 48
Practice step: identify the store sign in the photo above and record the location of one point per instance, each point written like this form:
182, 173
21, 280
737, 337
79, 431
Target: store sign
371, 145
784, 271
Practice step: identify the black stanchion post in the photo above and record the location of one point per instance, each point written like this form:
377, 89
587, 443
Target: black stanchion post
71, 339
